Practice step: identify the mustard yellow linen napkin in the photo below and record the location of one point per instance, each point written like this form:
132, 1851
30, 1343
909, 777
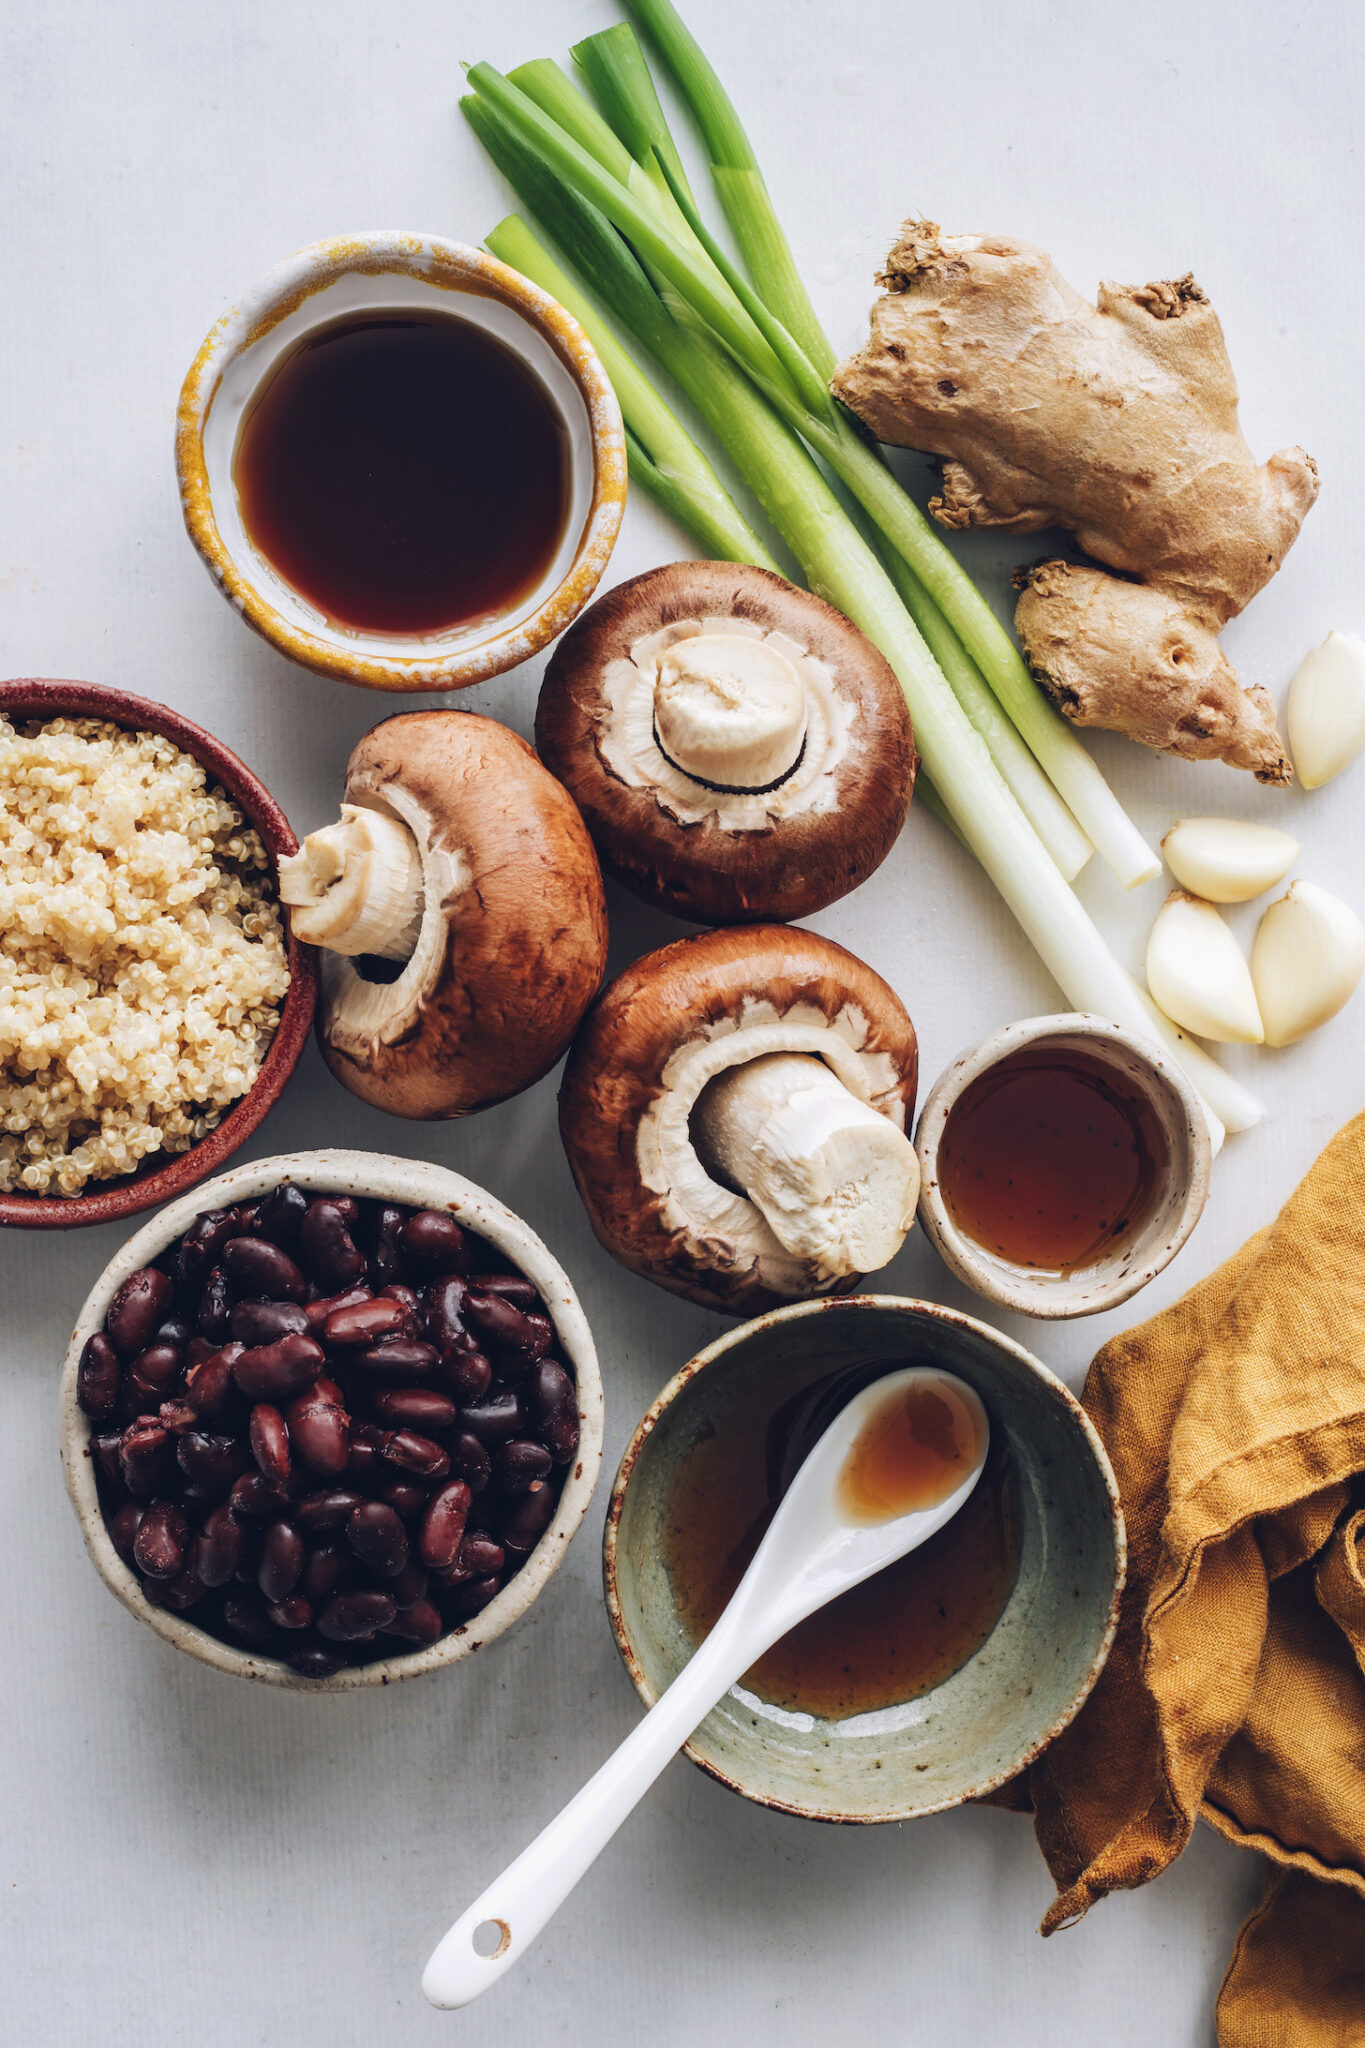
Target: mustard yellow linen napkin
1236, 1687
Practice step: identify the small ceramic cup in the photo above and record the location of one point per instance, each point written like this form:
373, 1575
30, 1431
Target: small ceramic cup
1156, 1235
994, 1714
163, 1175
389, 271
376, 1176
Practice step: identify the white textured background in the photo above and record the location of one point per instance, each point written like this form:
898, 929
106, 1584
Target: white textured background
187, 1859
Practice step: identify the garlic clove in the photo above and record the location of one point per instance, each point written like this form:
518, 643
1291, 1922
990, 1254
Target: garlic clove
1226, 860
1308, 956
1197, 975
1325, 711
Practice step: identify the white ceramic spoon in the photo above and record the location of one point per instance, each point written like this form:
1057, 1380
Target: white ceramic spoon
819, 1544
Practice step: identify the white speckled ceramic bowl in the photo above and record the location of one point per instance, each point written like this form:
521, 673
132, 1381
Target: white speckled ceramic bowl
993, 1716
379, 1176
1156, 1236
387, 270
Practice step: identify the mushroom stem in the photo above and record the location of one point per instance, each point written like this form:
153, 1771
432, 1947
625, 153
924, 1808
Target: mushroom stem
836, 1181
730, 711
356, 886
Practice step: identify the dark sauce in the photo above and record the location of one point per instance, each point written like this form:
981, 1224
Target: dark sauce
406, 473
896, 1636
1048, 1160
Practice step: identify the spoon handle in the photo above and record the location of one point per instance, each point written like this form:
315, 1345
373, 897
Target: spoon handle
531, 1889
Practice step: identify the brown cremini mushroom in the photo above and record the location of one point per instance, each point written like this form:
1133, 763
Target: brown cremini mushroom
460, 857
739, 749
734, 1111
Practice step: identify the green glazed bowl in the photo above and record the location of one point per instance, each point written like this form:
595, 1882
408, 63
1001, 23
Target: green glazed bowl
1024, 1684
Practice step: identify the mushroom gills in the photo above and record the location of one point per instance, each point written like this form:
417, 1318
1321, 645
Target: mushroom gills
730, 712
836, 1181
356, 886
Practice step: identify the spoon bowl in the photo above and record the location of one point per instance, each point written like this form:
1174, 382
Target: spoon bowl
894, 1465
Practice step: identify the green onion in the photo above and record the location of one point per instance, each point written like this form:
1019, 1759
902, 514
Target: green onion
835, 558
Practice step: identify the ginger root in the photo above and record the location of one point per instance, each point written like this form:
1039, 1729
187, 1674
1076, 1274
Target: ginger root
1119, 422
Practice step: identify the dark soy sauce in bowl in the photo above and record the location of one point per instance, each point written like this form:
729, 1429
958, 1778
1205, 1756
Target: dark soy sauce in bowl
406, 472
900, 1633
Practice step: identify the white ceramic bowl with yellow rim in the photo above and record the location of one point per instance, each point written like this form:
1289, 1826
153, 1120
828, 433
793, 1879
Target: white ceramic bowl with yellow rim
373, 1176
389, 271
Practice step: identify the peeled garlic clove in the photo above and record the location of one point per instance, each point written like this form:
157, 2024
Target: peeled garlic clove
1325, 712
1197, 975
1306, 961
1226, 860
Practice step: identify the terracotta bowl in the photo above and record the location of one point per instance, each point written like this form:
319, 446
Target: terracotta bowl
992, 1717
105, 1201
389, 271
1157, 1234
379, 1176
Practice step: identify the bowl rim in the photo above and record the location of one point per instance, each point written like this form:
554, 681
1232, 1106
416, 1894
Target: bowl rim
451, 266
710, 1356
384, 1176
996, 1282
48, 697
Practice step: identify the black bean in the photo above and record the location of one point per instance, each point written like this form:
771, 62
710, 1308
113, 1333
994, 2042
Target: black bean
409, 1300
529, 1519
211, 1390
175, 1330
420, 1408
384, 1263
513, 1287
327, 1511
159, 1546
269, 1440
480, 1555
364, 1323
421, 1623
470, 1461
407, 1497
318, 1311
421, 1455
321, 1434
108, 1471
97, 1378
293, 1612
257, 1267
141, 1302
443, 1523
494, 1420
330, 1568
280, 1214
402, 1360
123, 1528
409, 1586
179, 1594
278, 1372
500, 1321
315, 1660
213, 1318
470, 1599
244, 1614
350, 1617
261, 1322
434, 1241
552, 1406
444, 1311
213, 1462
160, 1365
465, 1375
282, 1558
365, 1466
218, 1547
518, 1465
378, 1538
146, 1457
255, 1497
178, 1417
327, 1249
198, 1253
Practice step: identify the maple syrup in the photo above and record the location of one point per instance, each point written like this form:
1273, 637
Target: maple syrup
916, 1447
903, 1631
406, 473
1048, 1160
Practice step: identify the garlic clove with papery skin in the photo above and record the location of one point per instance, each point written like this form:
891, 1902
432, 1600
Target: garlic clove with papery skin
1325, 711
1197, 975
1307, 958
1226, 860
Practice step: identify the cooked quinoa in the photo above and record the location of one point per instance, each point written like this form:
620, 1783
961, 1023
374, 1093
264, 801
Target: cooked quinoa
142, 961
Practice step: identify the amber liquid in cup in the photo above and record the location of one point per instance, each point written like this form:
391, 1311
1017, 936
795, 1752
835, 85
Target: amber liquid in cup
900, 1633
406, 473
1048, 1160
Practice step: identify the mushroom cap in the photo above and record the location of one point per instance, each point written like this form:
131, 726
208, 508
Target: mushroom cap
487, 1006
650, 1043
795, 864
